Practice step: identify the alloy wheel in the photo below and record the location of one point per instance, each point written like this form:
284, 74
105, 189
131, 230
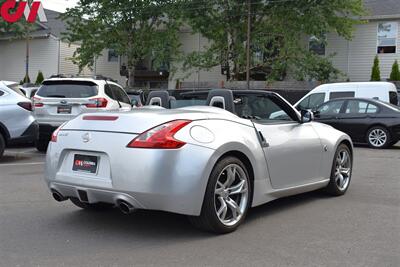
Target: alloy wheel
377, 137
343, 169
231, 195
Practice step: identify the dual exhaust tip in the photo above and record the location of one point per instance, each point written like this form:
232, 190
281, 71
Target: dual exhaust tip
124, 206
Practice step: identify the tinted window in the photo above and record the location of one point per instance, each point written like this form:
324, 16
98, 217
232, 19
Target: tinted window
393, 98
335, 95
258, 107
67, 89
109, 92
1, 93
360, 107
312, 101
330, 108
120, 95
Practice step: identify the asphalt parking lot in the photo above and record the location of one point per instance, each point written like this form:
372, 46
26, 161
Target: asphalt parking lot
361, 228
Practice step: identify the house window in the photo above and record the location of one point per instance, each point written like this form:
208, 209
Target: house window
112, 56
317, 45
387, 37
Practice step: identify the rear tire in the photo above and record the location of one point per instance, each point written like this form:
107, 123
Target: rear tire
42, 145
378, 137
2, 145
342, 169
227, 198
92, 207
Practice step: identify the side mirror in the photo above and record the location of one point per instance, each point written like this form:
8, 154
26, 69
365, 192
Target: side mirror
307, 116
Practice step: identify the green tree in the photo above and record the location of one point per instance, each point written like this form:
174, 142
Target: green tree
137, 29
376, 73
395, 73
39, 78
26, 79
277, 28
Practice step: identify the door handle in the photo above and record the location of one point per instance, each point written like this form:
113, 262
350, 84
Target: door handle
263, 142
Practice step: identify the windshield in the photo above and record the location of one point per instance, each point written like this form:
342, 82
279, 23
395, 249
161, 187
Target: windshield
68, 89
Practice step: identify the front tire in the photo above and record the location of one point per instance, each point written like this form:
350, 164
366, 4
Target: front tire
342, 169
227, 197
378, 137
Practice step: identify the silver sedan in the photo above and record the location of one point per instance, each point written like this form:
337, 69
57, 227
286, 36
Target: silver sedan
211, 163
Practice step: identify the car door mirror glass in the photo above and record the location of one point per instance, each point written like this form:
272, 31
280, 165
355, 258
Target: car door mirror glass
307, 116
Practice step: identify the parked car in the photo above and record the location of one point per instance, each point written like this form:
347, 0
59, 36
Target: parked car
383, 91
201, 161
29, 90
17, 124
374, 122
61, 99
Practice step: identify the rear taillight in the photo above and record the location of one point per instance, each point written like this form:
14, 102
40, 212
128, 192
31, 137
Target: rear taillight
54, 135
160, 137
37, 102
97, 103
25, 105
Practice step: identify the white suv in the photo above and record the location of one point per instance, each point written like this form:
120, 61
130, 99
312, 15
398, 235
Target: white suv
61, 99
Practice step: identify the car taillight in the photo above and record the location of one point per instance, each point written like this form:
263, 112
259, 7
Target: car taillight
54, 135
97, 103
37, 103
25, 105
160, 137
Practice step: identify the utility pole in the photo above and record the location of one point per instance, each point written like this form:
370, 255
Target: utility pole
248, 44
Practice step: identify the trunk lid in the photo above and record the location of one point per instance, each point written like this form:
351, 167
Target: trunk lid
133, 122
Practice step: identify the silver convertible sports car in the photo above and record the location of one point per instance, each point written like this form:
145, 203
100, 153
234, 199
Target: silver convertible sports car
211, 162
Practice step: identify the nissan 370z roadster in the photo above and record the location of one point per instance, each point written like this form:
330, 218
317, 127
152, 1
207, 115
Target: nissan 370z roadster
211, 162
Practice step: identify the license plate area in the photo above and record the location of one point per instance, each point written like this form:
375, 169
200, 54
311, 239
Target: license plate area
64, 109
85, 163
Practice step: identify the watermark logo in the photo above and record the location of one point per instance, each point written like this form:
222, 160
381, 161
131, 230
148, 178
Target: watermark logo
12, 11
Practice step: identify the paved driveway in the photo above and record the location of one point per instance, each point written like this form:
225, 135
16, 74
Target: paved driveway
360, 229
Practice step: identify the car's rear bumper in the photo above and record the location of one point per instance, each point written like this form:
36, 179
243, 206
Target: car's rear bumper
167, 180
29, 136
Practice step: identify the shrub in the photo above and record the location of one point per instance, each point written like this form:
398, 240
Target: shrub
395, 74
26, 79
376, 73
39, 78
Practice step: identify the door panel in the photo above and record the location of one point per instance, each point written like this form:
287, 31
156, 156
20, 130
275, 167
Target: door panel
293, 152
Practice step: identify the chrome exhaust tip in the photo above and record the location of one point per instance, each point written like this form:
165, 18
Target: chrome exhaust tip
125, 207
58, 197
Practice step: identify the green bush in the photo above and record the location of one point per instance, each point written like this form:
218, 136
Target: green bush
26, 79
395, 74
376, 73
39, 78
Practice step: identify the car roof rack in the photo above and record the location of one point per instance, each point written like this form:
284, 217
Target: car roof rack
94, 77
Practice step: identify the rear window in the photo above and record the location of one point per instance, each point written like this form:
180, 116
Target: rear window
68, 89
335, 95
393, 98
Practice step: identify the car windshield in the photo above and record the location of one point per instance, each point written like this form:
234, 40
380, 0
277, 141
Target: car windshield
68, 89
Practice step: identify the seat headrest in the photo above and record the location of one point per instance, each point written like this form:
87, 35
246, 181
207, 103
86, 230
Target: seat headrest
221, 98
158, 98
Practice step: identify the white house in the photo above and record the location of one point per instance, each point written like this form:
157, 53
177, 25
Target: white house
47, 52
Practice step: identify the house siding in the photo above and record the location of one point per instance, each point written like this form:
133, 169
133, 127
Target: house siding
66, 66
43, 57
109, 69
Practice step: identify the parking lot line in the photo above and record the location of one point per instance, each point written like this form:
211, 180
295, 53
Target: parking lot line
22, 164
